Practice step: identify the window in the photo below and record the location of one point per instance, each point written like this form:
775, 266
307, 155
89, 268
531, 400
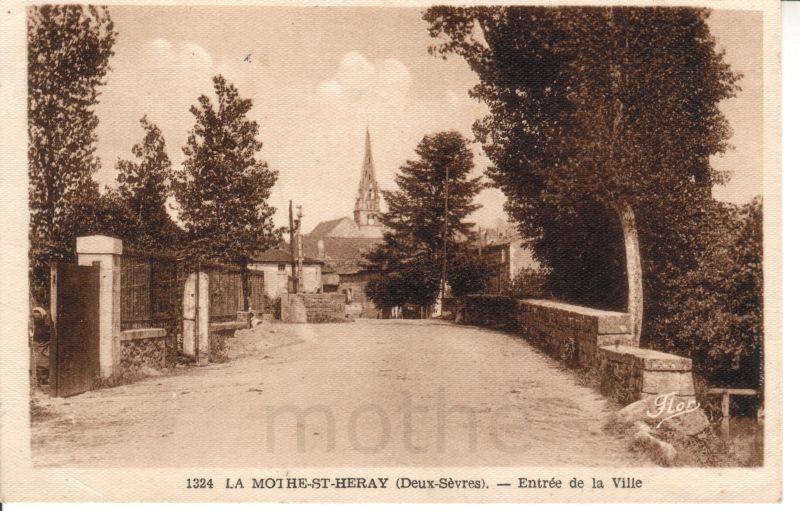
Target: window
282, 267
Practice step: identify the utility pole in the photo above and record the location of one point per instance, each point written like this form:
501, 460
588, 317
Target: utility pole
293, 283
299, 242
444, 235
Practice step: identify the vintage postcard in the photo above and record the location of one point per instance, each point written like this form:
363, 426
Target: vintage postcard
391, 252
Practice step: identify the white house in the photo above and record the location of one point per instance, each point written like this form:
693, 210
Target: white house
276, 263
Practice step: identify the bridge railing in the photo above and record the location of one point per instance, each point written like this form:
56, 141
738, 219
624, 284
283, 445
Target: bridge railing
597, 340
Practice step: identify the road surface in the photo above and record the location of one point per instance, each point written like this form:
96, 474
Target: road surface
368, 393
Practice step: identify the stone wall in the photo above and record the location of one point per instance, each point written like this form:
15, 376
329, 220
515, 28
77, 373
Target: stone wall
313, 308
628, 374
572, 332
218, 339
597, 340
324, 307
493, 311
142, 351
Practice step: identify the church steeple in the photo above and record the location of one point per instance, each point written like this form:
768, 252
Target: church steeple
368, 199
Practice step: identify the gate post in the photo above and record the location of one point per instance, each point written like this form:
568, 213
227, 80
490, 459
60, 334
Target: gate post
107, 253
196, 317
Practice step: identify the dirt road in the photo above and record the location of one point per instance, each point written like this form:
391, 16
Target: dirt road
369, 393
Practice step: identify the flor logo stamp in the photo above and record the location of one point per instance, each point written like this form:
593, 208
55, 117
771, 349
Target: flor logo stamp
668, 406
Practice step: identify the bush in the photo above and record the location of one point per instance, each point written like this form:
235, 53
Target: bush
527, 283
717, 314
416, 285
468, 275
492, 311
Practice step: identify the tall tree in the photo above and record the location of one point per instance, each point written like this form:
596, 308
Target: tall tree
144, 186
601, 125
69, 47
223, 189
419, 219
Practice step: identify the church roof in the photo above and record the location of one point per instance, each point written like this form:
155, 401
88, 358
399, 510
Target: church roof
324, 229
344, 255
344, 227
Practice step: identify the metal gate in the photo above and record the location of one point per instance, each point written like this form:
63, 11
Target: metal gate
74, 353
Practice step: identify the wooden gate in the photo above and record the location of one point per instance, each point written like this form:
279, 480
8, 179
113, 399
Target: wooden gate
74, 352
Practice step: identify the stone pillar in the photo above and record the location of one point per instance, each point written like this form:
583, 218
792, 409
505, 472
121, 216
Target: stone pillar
196, 317
107, 253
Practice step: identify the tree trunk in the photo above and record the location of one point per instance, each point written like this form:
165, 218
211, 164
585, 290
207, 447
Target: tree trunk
245, 284
633, 264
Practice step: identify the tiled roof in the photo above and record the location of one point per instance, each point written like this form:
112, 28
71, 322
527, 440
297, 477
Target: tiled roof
340, 248
344, 227
344, 244
278, 255
324, 228
344, 266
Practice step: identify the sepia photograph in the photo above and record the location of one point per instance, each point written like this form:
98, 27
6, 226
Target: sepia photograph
376, 252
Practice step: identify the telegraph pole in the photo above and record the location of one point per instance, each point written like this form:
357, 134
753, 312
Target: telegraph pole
293, 283
444, 235
299, 243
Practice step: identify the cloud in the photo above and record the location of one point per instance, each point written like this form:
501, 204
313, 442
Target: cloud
312, 129
357, 80
160, 54
162, 79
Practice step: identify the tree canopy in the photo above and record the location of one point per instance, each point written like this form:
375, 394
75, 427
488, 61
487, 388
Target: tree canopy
223, 188
597, 117
411, 255
69, 47
144, 187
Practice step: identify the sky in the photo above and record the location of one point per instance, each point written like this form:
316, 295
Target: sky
320, 76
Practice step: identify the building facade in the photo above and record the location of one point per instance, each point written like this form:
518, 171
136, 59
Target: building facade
276, 263
506, 258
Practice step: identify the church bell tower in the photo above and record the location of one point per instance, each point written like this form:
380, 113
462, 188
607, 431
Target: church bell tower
367, 206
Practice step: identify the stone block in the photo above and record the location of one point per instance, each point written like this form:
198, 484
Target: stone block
98, 245
142, 333
615, 340
662, 382
647, 359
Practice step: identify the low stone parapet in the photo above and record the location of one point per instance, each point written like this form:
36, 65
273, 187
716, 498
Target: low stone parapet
293, 308
570, 331
313, 308
492, 311
597, 340
629, 374
324, 307
227, 326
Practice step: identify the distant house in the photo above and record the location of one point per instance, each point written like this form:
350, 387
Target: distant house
342, 246
276, 263
506, 257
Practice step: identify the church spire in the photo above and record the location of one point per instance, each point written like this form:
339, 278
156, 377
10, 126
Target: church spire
368, 199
